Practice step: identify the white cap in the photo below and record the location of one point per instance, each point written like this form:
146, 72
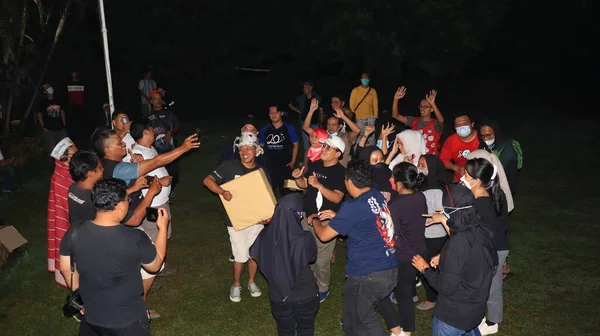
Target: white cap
61, 147
335, 142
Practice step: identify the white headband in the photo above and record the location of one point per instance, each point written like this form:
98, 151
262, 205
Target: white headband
495, 172
248, 139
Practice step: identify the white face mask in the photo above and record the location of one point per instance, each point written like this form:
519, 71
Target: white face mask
50, 90
424, 172
332, 134
490, 143
463, 131
380, 144
465, 182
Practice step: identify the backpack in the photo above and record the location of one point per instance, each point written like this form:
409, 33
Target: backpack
518, 150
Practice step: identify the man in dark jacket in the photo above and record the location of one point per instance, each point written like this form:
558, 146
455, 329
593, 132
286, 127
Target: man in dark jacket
466, 266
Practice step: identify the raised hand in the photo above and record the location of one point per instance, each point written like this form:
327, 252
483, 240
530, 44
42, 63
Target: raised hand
338, 113
135, 157
430, 97
369, 129
298, 172
163, 219
140, 183
314, 104
387, 130
155, 187
400, 93
191, 142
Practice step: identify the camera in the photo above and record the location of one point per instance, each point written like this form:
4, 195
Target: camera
74, 304
149, 179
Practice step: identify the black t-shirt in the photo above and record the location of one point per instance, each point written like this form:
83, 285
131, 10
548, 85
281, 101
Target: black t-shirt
279, 143
108, 259
51, 115
409, 224
332, 178
163, 121
499, 224
229, 171
81, 207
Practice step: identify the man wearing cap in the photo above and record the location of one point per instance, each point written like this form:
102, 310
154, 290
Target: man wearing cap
166, 125
145, 86
325, 190
302, 106
121, 124
280, 142
241, 240
58, 204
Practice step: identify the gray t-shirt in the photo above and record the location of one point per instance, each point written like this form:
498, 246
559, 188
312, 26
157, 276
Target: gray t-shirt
422, 124
434, 202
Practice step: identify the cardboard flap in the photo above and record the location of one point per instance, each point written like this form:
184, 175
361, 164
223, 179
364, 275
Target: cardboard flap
11, 238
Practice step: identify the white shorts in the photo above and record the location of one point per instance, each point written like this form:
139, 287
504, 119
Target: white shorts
242, 240
146, 274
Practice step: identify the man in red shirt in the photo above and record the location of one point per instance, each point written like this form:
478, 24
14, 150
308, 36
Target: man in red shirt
459, 145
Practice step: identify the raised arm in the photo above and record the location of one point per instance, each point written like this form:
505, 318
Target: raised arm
400, 93
431, 100
355, 130
314, 105
140, 211
161, 160
298, 175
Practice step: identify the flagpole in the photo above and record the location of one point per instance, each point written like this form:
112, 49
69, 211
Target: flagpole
111, 100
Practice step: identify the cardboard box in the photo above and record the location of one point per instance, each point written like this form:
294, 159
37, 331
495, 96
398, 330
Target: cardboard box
10, 240
253, 199
291, 184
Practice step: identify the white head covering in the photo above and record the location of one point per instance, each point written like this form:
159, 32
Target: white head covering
248, 139
413, 143
491, 157
61, 147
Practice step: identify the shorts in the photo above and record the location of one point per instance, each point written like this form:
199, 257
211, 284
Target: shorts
242, 240
146, 274
150, 227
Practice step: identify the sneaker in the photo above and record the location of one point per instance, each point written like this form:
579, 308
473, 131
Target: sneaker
235, 293
254, 290
231, 258
392, 298
415, 299
486, 329
323, 295
425, 305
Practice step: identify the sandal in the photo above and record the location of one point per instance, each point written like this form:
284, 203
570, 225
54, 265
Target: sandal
505, 271
153, 314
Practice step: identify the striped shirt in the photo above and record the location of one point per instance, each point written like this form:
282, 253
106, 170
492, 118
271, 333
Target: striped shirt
58, 216
146, 85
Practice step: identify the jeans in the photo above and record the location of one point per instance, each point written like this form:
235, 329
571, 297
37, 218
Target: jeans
405, 317
434, 246
296, 316
495, 302
7, 173
362, 124
441, 328
321, 267
305, 137
361, 295
140, 327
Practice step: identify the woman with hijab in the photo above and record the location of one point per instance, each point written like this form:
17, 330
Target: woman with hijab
284, 251
435, 236
313, 153
465, 265
505, 148
411, 145
481, 177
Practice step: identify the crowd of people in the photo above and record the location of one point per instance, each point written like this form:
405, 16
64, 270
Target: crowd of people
410, 210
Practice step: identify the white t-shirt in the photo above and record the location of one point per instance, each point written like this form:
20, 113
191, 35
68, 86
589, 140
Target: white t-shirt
146, 85
129, 142
1, 156
149, 153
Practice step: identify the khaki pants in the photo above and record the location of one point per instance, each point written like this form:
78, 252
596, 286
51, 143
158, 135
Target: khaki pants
322, 267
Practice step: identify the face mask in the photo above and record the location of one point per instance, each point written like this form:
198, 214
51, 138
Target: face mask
463, 131
364, 81
424, 172
332, 134
447, 214
490, 143
50, 90
380, 144
465, 182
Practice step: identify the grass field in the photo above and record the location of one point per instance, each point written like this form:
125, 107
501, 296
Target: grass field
553, 236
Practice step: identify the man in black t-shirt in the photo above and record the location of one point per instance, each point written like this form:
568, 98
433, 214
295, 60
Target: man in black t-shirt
86, 169
280, 142
52, 119
107, 258
325, 190
241, 240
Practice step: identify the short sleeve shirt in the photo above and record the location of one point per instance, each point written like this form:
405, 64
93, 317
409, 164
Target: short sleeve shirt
279, 143
367, 222
108, 260
332, 178
81, 207
422, 124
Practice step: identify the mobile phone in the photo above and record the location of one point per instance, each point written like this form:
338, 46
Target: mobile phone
149, 179
152, 214
198, 133
125, 120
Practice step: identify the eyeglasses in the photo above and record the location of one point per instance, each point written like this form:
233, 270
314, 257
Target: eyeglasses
326, 146
487, 136
423, 107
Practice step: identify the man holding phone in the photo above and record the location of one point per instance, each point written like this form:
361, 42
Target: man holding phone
121, 124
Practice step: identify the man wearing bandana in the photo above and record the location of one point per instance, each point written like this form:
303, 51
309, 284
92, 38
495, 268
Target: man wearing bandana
241, 240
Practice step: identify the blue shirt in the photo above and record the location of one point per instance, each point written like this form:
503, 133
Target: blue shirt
126, 171
367, 222
278, 143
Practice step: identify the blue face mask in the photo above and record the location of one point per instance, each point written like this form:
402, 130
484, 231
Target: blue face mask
463, 131
447, 214
364, 81
380, 144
